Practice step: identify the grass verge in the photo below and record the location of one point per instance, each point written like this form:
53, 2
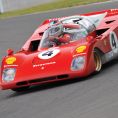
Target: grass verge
49, 6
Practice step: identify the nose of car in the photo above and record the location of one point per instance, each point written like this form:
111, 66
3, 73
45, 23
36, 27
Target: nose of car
52, 59
52, 56
44, 63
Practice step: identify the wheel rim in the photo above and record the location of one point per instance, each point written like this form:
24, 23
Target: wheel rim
98, 62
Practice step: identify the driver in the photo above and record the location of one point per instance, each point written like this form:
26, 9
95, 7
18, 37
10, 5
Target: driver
63, 39
57, 35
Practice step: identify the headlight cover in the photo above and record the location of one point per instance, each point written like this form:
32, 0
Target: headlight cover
78, 63
8, 74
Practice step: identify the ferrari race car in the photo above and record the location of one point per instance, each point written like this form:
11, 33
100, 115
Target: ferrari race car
63, 48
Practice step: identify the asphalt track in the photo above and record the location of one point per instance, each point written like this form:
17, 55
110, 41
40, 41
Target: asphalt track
94, 97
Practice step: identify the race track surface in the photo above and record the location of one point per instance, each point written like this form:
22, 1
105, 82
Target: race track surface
94, 97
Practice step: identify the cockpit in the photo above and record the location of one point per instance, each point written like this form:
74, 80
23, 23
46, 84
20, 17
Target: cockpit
62, 31
66, 31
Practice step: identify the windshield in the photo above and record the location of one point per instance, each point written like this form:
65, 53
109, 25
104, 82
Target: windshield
81, 20
66, 32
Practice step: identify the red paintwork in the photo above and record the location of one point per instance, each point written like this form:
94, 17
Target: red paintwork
25, 58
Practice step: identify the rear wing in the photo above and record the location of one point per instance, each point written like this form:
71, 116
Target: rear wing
110, 12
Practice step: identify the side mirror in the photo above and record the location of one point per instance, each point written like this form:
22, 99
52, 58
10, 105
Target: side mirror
10, 52
90, 38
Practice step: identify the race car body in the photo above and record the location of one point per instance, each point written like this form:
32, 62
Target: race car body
63, 48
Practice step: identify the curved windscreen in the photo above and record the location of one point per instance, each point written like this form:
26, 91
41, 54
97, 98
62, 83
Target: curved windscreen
81, 20
66, 31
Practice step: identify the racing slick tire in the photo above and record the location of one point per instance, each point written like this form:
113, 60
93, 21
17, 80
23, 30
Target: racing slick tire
21, 89
98, 61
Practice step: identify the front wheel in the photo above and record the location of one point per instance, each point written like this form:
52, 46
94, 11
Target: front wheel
21, 89
98, 61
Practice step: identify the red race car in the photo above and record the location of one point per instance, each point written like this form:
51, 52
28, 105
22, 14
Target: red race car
63, 48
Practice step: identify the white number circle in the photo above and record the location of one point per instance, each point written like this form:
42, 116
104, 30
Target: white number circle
48, 54
113, 40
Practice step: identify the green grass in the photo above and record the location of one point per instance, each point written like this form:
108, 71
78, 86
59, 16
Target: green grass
49, 6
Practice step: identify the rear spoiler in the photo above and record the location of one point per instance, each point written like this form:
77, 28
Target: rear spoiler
110, 12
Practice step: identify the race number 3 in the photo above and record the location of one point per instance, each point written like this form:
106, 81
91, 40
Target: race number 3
113, 40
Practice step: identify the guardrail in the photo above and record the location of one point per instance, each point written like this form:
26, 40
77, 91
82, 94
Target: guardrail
1, 7
10, 5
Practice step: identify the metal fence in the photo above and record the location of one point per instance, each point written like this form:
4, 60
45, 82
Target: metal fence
10, 5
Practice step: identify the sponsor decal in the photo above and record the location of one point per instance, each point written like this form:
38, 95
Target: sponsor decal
48, 54
81, 49
5, 66
10, 60
44, 64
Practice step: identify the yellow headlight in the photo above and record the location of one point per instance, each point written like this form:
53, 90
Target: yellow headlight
81, 49
10, 60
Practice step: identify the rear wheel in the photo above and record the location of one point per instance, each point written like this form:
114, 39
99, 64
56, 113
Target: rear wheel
21, 89
98, 61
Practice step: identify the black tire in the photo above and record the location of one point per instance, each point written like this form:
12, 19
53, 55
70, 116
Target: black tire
21, 89
98, 61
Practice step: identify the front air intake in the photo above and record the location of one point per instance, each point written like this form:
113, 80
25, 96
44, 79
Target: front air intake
23, 83
62, 76
33, 81
42, 80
